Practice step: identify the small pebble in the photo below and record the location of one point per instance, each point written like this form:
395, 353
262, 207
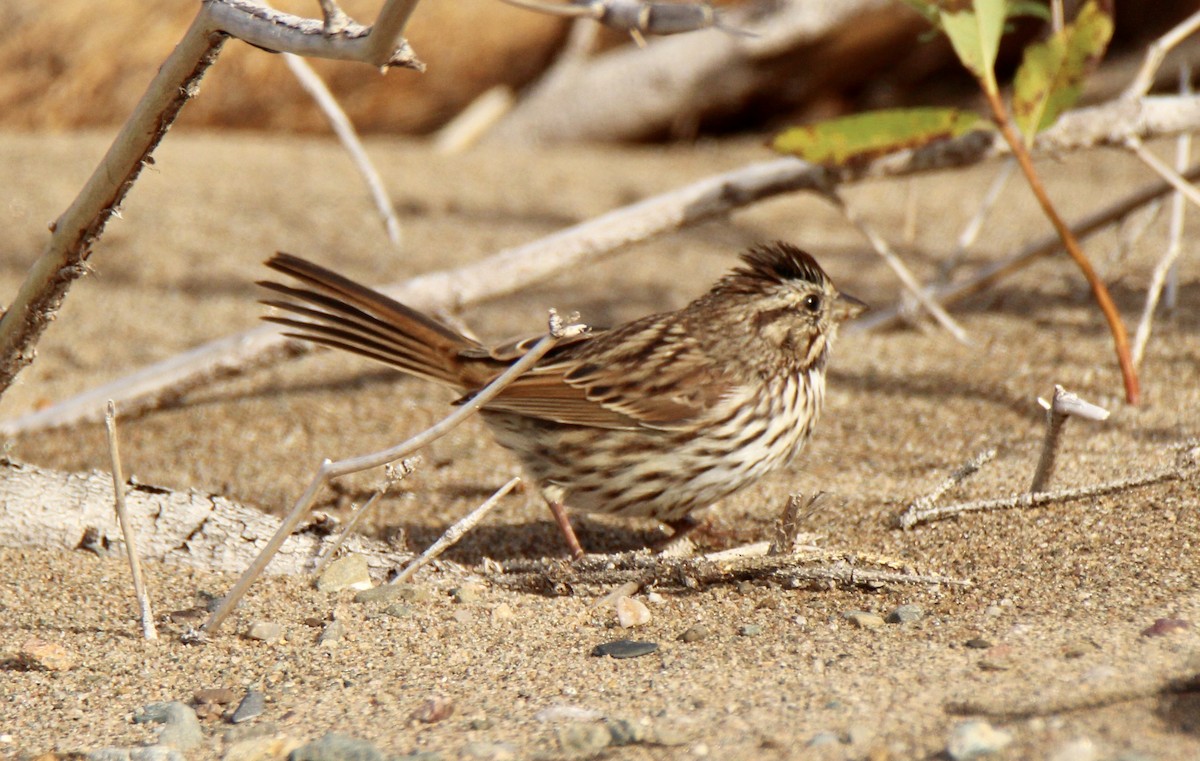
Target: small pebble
976, 739
1079, 749
251, 707
221, 696
336, 747
433, 710
398, 610
905, 614
264, 631
625, 648
631, 612
824, 738
749, 630
503, 612
381, 593
181, 727
694, 633
332, 633
998, 658
1164, 626
582, 739
38, 655
349, 572
864, 619
466, 594
860, 734
1078, 648
260, 748
488, 751
978, 643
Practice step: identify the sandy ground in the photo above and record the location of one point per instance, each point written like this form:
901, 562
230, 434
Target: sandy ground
1061, 594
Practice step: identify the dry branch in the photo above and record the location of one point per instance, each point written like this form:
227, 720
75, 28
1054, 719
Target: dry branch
595, 573
47, 508
912, 518
630, 93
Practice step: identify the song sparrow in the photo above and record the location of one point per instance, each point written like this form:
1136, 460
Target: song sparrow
655, 418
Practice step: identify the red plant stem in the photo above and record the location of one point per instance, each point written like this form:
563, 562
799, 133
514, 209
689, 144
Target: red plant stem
1099, 290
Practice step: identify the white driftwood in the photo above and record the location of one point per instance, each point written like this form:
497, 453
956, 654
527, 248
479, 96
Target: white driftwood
53, 509
629, 93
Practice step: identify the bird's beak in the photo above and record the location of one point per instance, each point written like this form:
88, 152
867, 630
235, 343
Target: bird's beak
846, 307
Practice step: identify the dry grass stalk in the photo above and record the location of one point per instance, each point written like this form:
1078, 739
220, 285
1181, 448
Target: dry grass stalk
135, 563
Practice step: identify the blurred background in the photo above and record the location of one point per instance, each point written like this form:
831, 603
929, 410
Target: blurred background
74, 64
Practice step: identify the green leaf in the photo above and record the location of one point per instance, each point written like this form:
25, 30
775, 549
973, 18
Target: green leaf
1052, 72
854, 140
975, 36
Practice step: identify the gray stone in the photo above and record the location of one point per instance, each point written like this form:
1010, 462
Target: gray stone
905, 614
181, 728
694, 633
251, 707
749, 630
336, 747
625, 648
332, 633
863, 619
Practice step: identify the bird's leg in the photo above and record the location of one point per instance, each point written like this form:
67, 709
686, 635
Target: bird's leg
564, 525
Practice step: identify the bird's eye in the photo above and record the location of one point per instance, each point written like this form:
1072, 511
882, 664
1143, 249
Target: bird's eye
812, 303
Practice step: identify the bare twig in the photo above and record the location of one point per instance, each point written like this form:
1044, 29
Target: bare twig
1166, 265
393, 476
456, 532
135, 563
964, 471
1030, 499
1177, 181
344, 129
970, 233
990, 273
601, 572
889, 256
330, 470
473, 122
797, 510
1156, 53
1062, 406
633, 16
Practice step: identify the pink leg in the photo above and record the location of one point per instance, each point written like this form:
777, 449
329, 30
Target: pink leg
564, 525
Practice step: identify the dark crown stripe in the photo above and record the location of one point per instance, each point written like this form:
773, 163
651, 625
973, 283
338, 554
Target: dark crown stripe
781, 261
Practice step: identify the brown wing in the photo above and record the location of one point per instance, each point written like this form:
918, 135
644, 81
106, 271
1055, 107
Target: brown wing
648, 373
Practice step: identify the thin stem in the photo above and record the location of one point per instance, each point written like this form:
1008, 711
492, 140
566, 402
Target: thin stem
456, 532
1099, 290
344, 129
135, 564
